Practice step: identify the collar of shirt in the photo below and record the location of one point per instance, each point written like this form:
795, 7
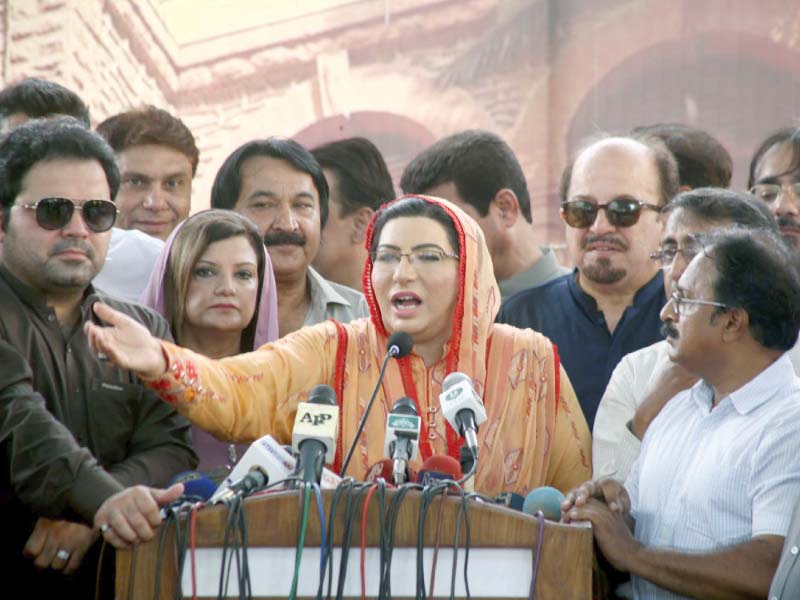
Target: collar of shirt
543, 270
644, 294
752, 394
322, 292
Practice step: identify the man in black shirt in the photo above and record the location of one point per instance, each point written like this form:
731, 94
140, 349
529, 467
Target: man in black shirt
57, 183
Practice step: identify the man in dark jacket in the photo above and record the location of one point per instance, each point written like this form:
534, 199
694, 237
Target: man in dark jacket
57, 185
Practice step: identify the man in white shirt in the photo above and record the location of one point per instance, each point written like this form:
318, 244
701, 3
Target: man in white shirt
706, 507
645, 380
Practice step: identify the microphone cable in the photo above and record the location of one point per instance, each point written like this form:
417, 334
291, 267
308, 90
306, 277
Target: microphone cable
235, 541
328, 552
364, 512
301, 539
537, 556
351, 509
192, 546
392, 514
322, 542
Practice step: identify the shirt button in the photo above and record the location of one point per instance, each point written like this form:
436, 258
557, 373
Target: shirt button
794, 550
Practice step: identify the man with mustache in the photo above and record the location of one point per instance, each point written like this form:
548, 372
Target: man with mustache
611, 195
280, 186
707, 505
645, 380
57, 185
775, 180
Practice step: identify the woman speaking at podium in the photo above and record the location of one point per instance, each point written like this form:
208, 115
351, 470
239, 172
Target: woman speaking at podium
430, 275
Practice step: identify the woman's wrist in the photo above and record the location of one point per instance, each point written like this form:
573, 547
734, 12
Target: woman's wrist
163, 363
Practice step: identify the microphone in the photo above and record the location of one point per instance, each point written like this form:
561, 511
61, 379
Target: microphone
197, 487
314, 433
402, 437
439, 468
255, 480
546, 500
462, 408
399, 345
510, 500
279, 464
380, 470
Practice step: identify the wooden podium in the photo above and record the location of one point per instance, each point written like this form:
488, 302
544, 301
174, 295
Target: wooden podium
502, 548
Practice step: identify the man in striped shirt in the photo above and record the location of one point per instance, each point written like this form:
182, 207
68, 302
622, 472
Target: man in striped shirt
707, 505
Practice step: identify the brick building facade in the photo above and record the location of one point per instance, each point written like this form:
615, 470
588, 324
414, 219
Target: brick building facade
541, 73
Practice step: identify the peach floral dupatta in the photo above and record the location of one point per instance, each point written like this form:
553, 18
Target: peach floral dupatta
535, 434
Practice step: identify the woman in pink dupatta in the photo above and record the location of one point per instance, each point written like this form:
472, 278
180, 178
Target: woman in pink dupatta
166, 293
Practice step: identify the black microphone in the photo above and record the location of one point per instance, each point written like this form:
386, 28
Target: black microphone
402, 437
398, 346
255, 480
314, 433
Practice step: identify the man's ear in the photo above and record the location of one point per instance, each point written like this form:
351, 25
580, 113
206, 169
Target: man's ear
361, 219
506, 204
736, 324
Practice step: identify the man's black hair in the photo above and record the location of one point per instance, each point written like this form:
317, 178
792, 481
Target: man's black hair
702, 160
44, 140
363, 177
757, 273
479, 164
716, 205
789, 136
39, 98
228, 182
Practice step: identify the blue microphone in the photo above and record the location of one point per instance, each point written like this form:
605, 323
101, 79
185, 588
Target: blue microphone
196, 486
546, 500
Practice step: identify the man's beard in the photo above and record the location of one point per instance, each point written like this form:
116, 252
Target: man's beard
602, 271
58, 275
783, 222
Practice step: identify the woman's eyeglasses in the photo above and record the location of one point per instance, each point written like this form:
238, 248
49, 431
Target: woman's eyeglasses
420, 258
620, 212
55, 213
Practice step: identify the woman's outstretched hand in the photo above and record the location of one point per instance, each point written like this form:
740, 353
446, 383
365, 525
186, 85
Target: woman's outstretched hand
125, 342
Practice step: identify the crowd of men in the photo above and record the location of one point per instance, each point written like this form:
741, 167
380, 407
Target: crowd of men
677, 326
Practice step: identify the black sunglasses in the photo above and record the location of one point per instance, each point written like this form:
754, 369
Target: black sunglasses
55, 213
620, 212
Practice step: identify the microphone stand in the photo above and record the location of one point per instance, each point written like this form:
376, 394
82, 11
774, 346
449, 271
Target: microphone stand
392, 353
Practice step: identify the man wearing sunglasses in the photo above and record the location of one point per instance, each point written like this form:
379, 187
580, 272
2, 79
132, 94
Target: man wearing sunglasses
706, 508
57, 183
611, 195
775, 180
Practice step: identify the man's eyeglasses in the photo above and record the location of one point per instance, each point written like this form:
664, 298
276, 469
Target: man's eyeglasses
770, 192
679, 303
666, 256
420, 258
55, 213
620, 212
